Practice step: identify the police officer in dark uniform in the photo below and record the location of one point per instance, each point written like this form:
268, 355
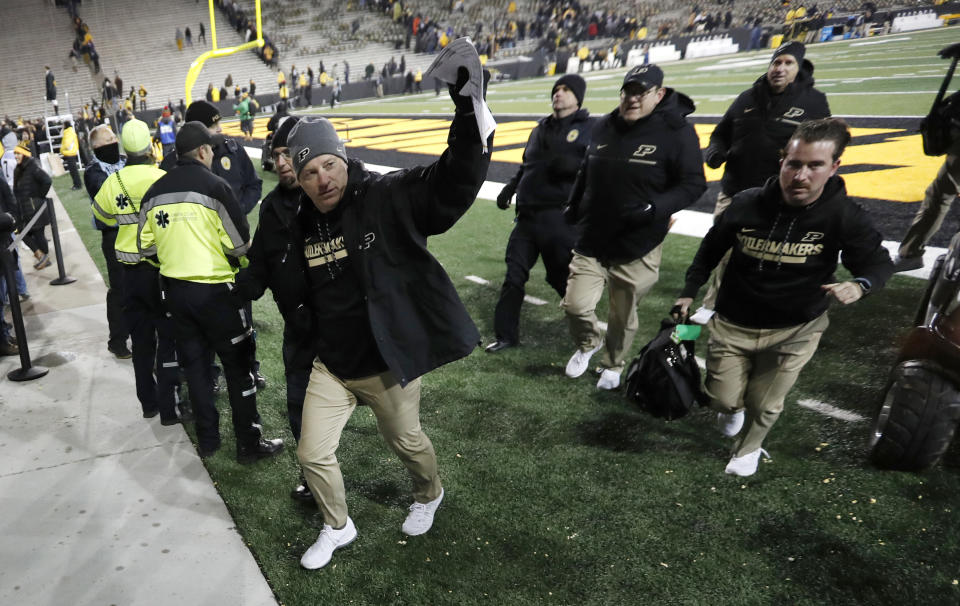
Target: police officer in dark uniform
230, 162
552, 156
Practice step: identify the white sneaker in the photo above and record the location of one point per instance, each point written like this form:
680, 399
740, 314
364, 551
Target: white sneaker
580, 361
330, 540
609, 379
747, 464
730, 424
420, 518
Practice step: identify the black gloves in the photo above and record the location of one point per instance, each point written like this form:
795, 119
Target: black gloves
503, 200
465, 104
640, 215
714, 157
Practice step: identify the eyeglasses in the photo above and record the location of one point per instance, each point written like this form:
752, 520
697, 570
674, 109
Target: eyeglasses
276, 155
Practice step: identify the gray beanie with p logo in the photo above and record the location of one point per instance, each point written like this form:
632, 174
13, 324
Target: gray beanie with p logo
312, 137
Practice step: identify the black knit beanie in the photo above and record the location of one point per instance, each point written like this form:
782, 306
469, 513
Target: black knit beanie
575, 83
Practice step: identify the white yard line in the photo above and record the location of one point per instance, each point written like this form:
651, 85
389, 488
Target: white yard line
485, 282
831, 411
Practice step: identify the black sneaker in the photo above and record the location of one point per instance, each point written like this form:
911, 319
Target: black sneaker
261, 380
206, 452
120, 350
260, 449
149, 414
499, 345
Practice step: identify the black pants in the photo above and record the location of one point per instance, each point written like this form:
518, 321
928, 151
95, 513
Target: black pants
35, 239
298, 358
536, 233
155, 365
71, 164
207, 316
116, 324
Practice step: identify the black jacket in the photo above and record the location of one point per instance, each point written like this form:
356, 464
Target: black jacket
656, 160
783, 254
758, 125
30, 187
276, 262
416, 317
231, 162
551, 158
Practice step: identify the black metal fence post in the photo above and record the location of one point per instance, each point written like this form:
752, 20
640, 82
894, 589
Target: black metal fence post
63, 278
27, 370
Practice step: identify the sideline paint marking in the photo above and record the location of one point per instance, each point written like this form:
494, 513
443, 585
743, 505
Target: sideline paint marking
831, 411
484, 282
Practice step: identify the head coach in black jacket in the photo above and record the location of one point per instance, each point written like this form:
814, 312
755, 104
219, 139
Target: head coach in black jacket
643, 164
784, 240
757, 126
383, 309
551, 158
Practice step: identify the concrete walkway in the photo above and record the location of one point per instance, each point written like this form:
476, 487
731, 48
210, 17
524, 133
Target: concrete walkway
99, 506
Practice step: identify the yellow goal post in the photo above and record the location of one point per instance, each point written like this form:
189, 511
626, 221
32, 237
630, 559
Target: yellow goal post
194, 72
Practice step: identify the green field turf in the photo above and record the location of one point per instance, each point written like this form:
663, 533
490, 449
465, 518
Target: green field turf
560, 494
896, 75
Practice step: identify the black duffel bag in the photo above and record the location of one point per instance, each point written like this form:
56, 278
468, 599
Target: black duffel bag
664, 380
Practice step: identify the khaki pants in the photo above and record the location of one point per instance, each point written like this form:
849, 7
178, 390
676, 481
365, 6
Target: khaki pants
936, 203
713, 284
327, 407
754, 368
628, 283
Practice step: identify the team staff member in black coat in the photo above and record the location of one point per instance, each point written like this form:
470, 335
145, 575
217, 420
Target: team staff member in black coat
772, 308
543, 183
275, 264
757, 126
643, 165
385, 310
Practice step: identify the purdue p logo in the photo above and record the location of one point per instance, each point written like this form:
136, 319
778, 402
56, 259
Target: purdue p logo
793, 112
303, 153
645, 150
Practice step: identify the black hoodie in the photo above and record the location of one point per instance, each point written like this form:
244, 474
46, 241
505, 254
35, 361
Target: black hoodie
783, 254
758, 125
656, 160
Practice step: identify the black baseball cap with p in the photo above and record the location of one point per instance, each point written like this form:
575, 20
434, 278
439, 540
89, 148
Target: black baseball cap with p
641, 78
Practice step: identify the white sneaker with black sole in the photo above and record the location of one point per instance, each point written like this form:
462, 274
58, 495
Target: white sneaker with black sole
730, 424
420, 518
579, 362
330, 540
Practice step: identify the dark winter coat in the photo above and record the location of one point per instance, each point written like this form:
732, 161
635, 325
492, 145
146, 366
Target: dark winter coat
758, 125
276, 261
783, 254
416, 317
30, 187
553, 154
51, 87
656, 160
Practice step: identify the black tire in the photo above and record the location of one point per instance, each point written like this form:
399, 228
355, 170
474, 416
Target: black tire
916, 420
